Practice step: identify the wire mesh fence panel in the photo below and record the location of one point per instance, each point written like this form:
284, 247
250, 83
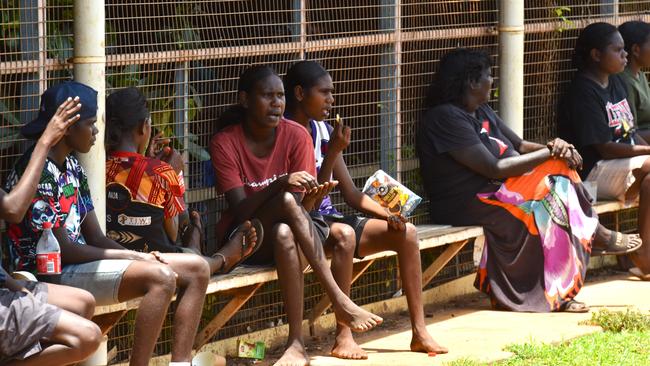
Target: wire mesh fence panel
186, 57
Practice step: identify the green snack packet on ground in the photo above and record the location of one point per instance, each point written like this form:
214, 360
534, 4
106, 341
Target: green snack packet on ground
250, 350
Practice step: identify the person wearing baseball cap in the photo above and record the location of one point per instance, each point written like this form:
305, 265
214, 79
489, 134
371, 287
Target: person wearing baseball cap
91, 261
34, 326
55, 96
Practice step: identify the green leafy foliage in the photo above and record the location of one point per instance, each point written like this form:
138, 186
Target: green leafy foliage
561, 13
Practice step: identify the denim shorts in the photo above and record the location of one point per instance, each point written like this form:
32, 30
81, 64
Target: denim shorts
101, 278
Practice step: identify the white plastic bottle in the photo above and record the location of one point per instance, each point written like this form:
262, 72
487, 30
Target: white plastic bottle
48, 256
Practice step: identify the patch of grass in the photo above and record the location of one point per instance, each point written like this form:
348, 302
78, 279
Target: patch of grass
625, 342
618, 321
608, 348
464, 362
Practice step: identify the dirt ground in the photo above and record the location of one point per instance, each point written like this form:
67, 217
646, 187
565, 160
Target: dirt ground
462, 324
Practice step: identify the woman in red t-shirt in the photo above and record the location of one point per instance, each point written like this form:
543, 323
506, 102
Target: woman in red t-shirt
265, 167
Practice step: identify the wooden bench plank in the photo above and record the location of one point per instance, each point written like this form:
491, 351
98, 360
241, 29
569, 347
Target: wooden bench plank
430, 236
611, 206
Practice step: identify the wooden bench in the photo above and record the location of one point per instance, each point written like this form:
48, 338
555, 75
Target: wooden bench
244, 281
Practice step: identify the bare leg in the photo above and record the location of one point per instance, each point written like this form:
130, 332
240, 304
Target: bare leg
290, 275
156, 283
193, 277
641, 258
640, 173
285, 209
340, 245
74, 339
72, 299
377, 237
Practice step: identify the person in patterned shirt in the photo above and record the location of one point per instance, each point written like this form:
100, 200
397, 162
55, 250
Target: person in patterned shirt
28, 314
150, 189
91, 260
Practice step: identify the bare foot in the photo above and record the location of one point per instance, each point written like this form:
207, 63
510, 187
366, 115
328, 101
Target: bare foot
294, 355
354, 317
346, 348
426, 344
192, 238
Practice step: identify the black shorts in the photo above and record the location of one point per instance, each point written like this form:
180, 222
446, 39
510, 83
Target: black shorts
357, 223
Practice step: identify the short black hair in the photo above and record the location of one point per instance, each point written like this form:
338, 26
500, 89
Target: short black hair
457, 69
634, 32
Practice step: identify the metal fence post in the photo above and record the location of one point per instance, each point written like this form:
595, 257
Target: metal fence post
511, 64
389, 85
90, 69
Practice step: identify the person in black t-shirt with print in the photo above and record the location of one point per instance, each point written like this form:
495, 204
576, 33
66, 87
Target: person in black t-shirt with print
536, 216
595, 116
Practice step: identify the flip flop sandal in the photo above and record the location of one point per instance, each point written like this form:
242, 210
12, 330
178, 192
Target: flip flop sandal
573, 306
617, 245
635, 271
259, 231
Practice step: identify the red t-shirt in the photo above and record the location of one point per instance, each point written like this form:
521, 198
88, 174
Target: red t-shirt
236, 166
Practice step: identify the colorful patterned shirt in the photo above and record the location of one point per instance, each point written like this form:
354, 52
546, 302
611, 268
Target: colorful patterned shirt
62, 198
149, 180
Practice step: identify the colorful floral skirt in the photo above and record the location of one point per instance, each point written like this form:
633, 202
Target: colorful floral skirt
538, 233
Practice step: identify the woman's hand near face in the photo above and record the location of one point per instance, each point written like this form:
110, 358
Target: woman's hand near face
65, 116
173, 158
340, 138
157, 143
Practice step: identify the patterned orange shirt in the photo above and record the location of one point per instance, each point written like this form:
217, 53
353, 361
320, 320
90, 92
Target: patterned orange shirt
149, 180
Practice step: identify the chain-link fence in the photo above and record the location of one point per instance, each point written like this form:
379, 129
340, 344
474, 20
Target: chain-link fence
186, 57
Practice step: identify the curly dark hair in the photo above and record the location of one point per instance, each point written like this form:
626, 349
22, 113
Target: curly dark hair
457, 69
594, 36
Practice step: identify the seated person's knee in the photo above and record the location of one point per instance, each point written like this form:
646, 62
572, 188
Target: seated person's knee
412, 233
86, 340
198, 268
344, 238
283, 236
161, 276
88, 302
288, 201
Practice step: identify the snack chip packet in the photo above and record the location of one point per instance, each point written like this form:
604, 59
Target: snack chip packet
391, 194
247, 349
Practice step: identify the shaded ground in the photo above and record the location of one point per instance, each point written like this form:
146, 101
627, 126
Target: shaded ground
471, 330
